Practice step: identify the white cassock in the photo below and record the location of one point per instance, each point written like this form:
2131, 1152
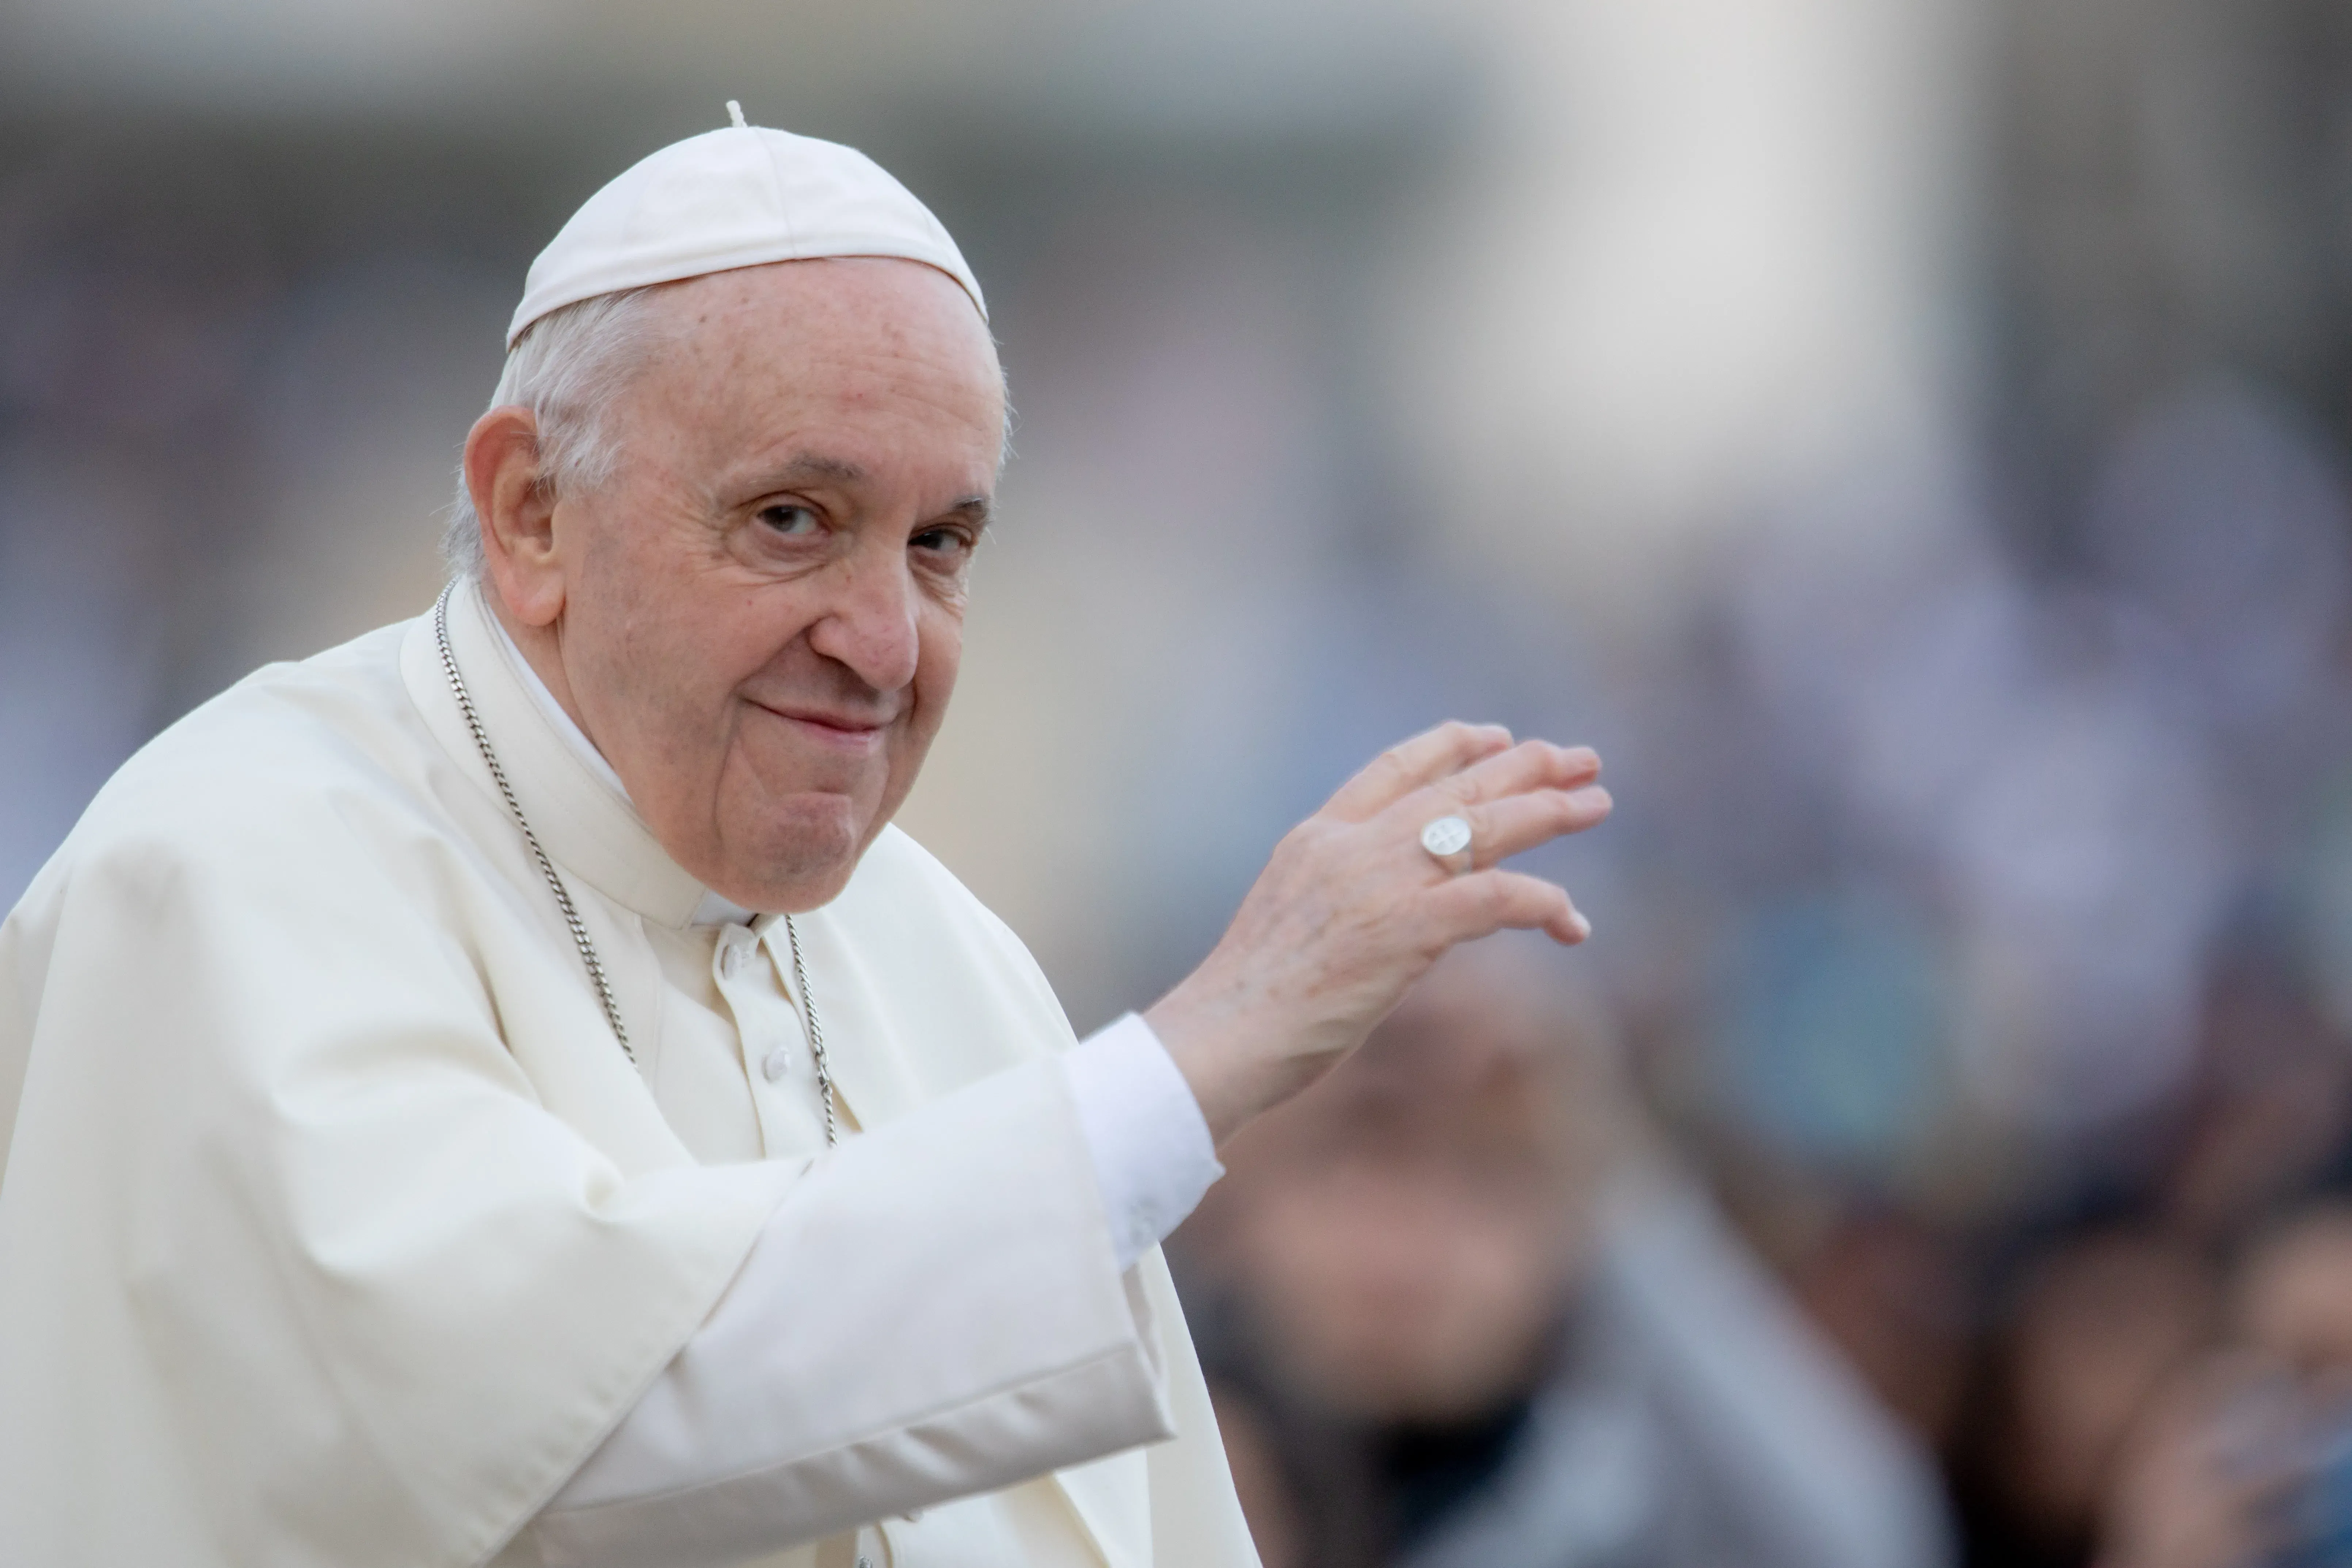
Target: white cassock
335, 1227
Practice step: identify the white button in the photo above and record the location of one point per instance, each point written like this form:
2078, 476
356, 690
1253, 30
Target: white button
774, 1063
730, 960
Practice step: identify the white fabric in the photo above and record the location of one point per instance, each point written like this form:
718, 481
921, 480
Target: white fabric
575, 738
707, 1429
760, 1431
743, 196
706, 1466
334, 1225
1153, 1155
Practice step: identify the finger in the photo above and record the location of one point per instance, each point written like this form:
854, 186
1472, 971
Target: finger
1503, 828
1483, 902
1529, 765
1413, 764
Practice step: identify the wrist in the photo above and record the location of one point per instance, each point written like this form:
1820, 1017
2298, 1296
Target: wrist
1202, 1055
1225, 1051
1236, 1063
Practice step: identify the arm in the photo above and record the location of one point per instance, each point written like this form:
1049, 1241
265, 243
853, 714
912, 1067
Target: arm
709, 1468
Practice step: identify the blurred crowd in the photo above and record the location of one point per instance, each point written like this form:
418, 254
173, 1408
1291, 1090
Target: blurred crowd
1943, 1153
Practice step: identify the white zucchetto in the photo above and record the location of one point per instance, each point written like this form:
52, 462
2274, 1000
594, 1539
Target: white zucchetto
743, 196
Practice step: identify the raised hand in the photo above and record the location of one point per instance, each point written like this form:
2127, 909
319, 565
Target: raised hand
1352, 907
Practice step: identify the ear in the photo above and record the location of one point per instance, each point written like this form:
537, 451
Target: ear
517, 514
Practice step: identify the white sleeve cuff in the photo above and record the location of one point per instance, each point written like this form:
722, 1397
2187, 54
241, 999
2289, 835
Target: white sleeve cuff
1153, 1156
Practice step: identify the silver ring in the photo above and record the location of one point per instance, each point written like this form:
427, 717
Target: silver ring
1448, 839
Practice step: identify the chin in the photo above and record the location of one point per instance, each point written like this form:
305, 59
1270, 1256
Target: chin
802, 857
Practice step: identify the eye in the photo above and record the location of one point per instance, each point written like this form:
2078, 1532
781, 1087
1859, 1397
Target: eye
941, 541
788, 517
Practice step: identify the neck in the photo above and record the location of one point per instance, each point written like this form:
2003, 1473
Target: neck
541, 649
546, 670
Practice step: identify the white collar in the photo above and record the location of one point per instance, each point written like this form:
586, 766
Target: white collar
713, 909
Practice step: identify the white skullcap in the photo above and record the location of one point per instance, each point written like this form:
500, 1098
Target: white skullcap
739, 197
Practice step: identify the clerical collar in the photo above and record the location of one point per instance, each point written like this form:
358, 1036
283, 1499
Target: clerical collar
713, 909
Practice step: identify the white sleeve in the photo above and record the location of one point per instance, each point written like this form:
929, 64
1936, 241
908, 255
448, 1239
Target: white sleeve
1153, 1156
708, 1420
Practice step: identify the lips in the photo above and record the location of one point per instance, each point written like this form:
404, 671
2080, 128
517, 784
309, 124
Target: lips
848, 732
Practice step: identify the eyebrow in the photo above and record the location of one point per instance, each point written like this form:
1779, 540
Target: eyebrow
976, 508
816, 465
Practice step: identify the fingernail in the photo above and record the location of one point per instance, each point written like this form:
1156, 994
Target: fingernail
1583, 926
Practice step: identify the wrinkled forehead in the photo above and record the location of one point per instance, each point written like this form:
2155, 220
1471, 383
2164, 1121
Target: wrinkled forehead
858, 303
883, 342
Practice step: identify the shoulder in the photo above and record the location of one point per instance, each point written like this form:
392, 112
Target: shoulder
899, 880
272, 774
902, 901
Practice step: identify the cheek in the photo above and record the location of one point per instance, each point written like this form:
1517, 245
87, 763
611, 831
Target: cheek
938, 660
678, 641
940, 656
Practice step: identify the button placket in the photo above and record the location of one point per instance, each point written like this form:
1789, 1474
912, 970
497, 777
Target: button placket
749, 979
778, 1062
738, 946
779, 1059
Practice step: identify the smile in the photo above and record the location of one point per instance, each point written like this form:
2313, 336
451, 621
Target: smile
835, 731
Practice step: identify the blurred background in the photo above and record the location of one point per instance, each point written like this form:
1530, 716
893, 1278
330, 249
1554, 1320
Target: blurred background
1907, 436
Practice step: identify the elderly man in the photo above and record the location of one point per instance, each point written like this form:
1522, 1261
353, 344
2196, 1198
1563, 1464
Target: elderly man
502, 1090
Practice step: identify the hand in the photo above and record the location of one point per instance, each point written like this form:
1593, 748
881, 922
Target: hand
1352, 909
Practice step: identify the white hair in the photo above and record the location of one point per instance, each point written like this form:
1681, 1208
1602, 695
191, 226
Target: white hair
567, 368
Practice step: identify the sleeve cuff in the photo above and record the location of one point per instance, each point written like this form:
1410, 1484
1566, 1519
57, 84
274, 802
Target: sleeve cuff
1152, 1153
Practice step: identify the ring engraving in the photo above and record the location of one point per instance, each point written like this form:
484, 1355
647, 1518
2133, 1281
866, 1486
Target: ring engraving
1446, 837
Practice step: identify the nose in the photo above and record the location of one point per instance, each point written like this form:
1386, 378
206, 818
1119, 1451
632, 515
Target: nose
871, 625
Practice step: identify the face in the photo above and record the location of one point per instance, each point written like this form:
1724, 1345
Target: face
761, 616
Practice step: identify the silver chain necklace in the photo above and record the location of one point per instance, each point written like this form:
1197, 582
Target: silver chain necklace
579, 928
